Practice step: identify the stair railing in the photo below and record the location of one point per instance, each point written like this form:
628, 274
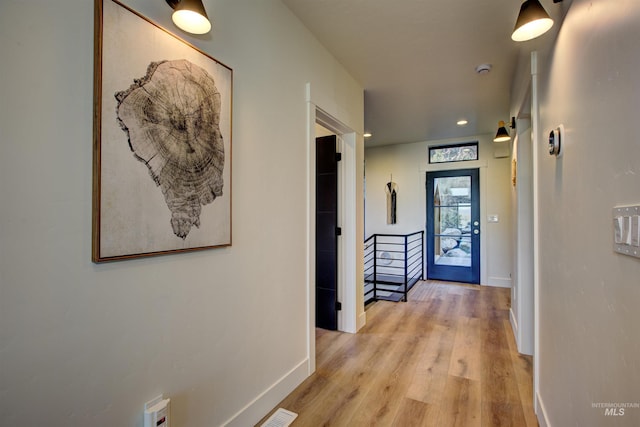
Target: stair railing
393, 263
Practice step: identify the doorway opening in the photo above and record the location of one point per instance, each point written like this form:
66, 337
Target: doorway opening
349, 249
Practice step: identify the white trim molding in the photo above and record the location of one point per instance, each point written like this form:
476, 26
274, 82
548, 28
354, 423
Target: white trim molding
499, 282
541, 412
266, 401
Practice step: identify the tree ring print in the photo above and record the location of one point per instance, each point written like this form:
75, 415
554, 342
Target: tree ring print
172, 120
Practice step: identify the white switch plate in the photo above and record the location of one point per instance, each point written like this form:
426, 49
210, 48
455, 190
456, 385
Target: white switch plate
626, 230
493, 218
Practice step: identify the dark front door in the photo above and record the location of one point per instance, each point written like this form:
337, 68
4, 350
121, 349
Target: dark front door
326, 233
453, 226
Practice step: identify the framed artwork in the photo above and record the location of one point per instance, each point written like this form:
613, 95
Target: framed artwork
162, 140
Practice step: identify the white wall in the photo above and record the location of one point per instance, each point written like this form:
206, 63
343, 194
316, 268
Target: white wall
86, 345
408, 163
589, 295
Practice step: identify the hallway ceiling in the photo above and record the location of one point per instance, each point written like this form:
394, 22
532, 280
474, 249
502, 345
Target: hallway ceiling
416, 60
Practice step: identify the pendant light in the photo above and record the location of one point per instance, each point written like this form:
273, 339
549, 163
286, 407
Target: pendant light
190, 16
532, 22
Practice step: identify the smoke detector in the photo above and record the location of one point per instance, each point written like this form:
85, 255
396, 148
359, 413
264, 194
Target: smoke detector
483, 68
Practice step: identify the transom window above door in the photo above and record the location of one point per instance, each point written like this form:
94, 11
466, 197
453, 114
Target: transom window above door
453, 153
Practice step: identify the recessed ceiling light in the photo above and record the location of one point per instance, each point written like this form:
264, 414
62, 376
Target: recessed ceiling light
367, 135
462, 122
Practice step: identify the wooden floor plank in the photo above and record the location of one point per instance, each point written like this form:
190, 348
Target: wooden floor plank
447, 357
465, 360
470, 306
523, 366
348, 376
328, 343
414, 414
461, 403
501, 403
384, 399
430, 375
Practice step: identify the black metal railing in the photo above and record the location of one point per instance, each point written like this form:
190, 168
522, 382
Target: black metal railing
393, 263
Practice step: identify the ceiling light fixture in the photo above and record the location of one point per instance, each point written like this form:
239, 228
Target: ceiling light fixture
503, 134
483, 68
190, 16
462, 122
533, 21
367, 134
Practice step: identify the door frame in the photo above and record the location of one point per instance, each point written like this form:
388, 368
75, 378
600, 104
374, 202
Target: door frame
528, 111
430, 235
482, 166
521, 313
535, 140
350, 206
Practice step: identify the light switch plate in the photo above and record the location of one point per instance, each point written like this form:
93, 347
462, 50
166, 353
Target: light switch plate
626, 230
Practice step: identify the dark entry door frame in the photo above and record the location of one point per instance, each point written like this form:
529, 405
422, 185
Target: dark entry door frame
453, 225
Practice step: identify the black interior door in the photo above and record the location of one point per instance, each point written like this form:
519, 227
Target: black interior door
326, 233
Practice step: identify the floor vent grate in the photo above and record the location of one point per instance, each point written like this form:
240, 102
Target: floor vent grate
280, 418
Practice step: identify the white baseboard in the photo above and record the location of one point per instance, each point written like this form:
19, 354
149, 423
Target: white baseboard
514, 323
361, 321
267, 400
541, 413
499, 282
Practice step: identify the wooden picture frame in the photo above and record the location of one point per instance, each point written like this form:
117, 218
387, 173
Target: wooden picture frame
162, 140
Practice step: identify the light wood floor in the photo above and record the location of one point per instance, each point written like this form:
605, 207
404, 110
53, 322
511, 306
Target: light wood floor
445, 358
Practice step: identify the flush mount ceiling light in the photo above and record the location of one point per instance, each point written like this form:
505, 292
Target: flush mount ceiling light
190, 16
533, 21
462, 122
502, 134
483, 68
367, 134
